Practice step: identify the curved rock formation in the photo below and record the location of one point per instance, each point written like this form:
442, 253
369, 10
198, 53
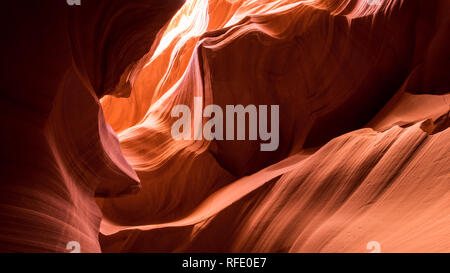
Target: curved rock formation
363, 92
58, 152
332, 66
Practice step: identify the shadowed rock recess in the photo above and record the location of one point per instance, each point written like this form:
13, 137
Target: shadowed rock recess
87, 154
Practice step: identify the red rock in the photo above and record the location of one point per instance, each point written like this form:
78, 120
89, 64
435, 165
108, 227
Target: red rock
58, 152
364, 116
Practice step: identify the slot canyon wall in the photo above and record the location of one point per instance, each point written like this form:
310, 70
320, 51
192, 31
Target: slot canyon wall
363, 89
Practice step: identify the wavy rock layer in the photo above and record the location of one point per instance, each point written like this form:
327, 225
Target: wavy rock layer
330, 201
333, 67
88, 155
58, 152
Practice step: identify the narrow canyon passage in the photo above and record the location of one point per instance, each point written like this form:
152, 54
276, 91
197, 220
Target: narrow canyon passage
362, 92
